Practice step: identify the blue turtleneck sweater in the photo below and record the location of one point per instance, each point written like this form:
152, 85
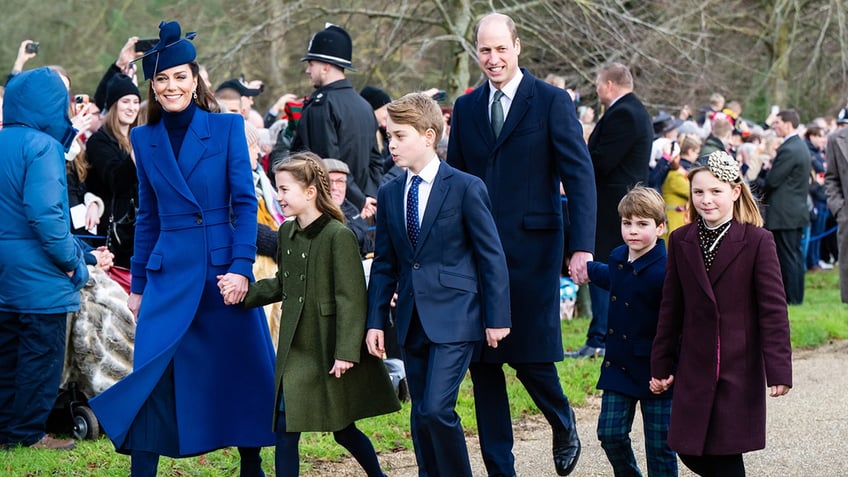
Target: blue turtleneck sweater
177, 125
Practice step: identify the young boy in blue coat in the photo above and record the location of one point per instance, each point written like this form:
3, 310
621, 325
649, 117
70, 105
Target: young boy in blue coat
634, 278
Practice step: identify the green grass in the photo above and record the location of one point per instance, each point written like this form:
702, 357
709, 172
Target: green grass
820, 319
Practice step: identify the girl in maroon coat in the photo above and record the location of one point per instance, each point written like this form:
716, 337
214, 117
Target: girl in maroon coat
728, 338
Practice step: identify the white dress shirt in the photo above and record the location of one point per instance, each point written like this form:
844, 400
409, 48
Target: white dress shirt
428, 175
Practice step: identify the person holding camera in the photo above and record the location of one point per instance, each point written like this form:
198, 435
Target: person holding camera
26, 52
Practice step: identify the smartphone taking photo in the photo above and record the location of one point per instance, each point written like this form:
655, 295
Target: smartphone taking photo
80, 102
32, 47
144, 44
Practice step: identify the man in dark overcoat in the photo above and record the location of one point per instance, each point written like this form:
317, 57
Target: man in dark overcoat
785, 193
620, 146
522, 137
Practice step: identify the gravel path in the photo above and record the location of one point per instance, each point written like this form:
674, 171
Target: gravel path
807, 432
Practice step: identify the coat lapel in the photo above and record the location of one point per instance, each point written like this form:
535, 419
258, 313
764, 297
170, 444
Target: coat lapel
729, 249
438, 191
162, 156
194, 148
481, 115
396, 209
691, 251
520, 105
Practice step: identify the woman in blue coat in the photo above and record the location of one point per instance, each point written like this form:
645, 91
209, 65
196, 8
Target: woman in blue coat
203, 372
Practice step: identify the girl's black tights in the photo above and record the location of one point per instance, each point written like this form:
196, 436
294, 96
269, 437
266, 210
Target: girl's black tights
715, 465
287, 458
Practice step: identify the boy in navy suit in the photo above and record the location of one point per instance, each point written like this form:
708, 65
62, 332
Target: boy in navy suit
436, 245
634, 278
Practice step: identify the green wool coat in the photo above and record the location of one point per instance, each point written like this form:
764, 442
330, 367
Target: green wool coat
322, 287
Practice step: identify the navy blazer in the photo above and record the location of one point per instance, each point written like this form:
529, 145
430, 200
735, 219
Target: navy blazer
456, 277
635, 294
541, 144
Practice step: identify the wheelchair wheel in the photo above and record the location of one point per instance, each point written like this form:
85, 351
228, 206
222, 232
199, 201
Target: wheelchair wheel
85, 424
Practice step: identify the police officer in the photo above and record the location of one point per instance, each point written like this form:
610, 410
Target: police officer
336, 121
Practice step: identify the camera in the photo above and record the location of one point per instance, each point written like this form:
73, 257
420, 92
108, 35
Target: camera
32, 47
145, 44
80, 101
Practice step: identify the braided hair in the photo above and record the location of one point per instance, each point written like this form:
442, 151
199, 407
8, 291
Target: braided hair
308, 169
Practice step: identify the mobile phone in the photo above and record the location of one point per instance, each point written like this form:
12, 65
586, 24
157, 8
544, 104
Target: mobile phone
80, 101
775, 109
144, 44
440, 95
32, 47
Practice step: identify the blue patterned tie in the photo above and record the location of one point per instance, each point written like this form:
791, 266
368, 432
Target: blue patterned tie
412, 211
497, 113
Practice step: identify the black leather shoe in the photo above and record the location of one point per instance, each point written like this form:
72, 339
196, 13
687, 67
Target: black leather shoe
566, 449
586, 351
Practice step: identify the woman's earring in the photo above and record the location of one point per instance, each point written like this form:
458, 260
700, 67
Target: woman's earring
194, 95
155, 98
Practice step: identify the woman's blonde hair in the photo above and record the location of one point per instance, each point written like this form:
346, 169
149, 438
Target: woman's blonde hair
720, 165
112, 124
308, 169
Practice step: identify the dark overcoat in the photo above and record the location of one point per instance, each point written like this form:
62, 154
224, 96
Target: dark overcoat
196, 220
787, 186
540, 145
321, 283
620, 146
338, 123
731, 328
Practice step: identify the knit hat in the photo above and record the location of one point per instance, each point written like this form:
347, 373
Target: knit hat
118, 87
170, 51
331, 45
376, 97
335, 165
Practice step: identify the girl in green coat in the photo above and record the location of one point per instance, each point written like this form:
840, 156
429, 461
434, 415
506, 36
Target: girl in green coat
325, 381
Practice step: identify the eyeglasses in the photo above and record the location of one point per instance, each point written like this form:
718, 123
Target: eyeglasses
338, 182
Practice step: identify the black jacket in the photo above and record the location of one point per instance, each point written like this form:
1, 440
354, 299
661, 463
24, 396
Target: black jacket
337, 123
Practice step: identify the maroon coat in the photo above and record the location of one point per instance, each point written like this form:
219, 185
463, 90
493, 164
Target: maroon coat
732, 329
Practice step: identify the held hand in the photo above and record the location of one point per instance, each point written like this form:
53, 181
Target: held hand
374, 341
282, 101
578, 268
340, 367
23, 56
659, 386
233, 287
92, 216
104, 258
134, 304
393, 302
779, 390
127, 54
369, 209
82, 120
493, 335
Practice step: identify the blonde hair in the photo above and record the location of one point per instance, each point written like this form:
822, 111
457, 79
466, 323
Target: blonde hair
112, 125
419, 111
308, 169
642, 201
745, 208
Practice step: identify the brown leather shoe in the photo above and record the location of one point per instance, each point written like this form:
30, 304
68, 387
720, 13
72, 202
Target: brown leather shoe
50, 442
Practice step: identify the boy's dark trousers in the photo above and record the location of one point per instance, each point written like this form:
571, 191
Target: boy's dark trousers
434, 372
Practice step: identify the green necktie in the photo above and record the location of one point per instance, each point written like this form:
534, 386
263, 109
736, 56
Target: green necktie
497, 113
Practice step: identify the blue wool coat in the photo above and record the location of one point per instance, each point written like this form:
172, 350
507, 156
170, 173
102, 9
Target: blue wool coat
36, 246
635, 295
196, 220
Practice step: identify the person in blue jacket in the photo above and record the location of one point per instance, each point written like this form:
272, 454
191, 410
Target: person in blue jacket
634, 276
41, 265
203, 371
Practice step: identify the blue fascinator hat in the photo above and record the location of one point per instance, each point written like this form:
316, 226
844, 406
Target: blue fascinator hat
170, 51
